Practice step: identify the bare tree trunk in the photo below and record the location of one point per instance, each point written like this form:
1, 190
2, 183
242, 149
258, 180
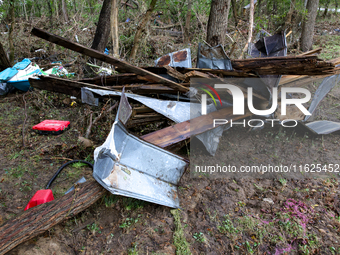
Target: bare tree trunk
250, 29
308, 25
64, 10
102, 34
187, 23
218, 22
50, 11
10, 34
233, 3
326, 8
114, 28
56, 8
141, 28
290, 13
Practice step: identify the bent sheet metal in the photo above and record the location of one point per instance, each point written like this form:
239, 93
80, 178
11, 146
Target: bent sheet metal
128, 166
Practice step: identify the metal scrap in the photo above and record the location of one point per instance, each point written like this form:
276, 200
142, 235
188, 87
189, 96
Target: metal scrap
128, 166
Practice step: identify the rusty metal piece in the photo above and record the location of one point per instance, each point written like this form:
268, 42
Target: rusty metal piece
180, 58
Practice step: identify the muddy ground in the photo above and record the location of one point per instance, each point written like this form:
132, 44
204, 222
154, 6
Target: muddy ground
241, 215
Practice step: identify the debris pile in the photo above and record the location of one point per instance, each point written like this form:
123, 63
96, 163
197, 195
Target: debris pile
142, 167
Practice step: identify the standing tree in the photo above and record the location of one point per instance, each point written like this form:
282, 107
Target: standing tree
102, 34
114, 28
308, 25
218, 21
11, 29
141, 28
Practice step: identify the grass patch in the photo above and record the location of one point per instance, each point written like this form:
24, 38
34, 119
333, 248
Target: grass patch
181, 244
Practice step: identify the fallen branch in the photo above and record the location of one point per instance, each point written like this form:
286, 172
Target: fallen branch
23, 125
106, 58
38, 219
100, 116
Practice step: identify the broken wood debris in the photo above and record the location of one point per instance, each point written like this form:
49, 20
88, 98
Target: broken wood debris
184, 130
106, 58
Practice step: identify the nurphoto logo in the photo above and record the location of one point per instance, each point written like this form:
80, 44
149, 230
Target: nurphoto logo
239, 103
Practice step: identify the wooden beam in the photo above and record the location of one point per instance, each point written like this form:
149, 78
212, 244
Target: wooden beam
112, 80
184, 130
65, 86
73, 88
105, 58
299, 65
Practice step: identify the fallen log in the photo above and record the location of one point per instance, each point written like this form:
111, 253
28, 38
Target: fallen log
106, 58
38, 219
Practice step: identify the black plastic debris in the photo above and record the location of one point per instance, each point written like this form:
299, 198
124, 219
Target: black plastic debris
213, 57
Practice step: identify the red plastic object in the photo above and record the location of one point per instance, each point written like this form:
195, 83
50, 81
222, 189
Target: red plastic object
40, 197
51, 126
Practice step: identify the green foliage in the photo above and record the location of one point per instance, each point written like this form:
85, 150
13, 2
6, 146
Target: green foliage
199, 237
227, 227
182, 246
128, 222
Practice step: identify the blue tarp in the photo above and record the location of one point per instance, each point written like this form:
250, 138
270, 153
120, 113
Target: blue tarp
7, 74
23, 64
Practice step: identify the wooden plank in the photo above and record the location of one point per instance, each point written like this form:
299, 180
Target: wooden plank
73, 88
299, 65
105, 58
184, 130
112, 80
4, 61
65, 86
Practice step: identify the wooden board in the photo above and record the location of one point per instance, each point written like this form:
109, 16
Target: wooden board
184, 130
105, 58
73, 88
65, 86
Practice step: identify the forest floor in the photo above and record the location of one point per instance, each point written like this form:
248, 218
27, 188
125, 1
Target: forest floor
218, 216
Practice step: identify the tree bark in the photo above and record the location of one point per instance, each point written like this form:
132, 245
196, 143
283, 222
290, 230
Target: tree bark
4, 61
289, 14
233, 2
42, 217
114, 28
102, 34
64, 10
326, 9
187, 23
141, 28
218, 22
10, 34
250, 29
308, 25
